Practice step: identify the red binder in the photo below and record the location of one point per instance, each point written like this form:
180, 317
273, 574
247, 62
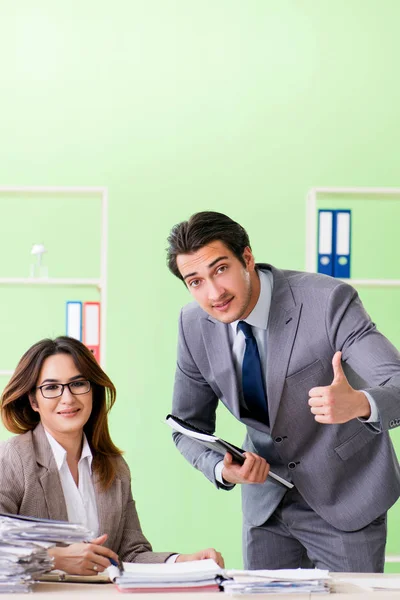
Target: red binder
91, 327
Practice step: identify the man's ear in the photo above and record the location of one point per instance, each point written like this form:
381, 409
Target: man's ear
248, 258
33, 401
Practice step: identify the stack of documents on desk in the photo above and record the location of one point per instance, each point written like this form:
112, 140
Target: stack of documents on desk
194, 576
19, 527
24, 542
282, 581
19, 562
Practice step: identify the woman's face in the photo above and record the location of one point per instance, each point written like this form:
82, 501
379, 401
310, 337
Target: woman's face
68, 413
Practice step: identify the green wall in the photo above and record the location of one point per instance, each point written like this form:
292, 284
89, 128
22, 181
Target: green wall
179, 106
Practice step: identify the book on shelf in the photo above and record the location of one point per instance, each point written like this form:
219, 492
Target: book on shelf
215, 443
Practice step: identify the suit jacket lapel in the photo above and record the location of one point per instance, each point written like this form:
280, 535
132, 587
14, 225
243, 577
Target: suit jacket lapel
109, 504
282, 327
49, 478
219, 353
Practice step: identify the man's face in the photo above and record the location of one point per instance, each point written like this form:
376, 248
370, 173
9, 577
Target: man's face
219, 282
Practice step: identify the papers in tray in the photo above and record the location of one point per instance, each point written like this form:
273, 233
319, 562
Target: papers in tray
197, 575
215, 443
277, 581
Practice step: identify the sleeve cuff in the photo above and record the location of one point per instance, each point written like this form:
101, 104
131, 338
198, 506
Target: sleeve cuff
172, 558
218, 475
374, 417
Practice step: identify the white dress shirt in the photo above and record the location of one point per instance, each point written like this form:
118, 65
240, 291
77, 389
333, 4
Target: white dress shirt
80, 499
258, 319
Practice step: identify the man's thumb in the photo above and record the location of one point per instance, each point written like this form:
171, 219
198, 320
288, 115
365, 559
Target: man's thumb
227, 459
338, 373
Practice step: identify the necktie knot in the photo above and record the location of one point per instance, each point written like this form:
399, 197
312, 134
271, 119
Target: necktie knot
246, 329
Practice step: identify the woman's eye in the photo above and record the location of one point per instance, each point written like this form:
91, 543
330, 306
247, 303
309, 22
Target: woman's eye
77, 384
51, 387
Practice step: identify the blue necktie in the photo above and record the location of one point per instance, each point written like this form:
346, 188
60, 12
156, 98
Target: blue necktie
252, 380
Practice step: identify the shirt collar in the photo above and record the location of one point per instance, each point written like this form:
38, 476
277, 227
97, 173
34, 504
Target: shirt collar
60, 454
260, 313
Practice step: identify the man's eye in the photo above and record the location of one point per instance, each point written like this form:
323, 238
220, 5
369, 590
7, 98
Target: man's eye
194, 283
221, 269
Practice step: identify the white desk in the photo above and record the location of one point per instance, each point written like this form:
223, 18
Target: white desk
75, 591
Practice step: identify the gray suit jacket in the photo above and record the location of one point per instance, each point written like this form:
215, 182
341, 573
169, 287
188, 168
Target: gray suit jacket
347, 473
30, 485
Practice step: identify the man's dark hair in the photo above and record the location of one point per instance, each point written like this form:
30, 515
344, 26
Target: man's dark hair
201, 229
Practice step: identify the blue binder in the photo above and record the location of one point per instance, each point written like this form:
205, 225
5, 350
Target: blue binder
342, 243
325, 241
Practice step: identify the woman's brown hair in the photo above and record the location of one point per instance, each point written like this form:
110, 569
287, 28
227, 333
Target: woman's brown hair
19, 417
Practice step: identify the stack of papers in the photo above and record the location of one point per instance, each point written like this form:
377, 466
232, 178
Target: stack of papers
277, 581
19, 527
24, 542
194, 576
19, 563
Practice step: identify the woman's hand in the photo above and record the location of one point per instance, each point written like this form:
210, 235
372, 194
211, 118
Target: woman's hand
201, 555
83, 559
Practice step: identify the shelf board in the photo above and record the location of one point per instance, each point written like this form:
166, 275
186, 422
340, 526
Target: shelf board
49, 281
373, 282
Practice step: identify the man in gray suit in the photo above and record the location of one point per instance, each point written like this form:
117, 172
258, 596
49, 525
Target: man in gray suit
295, 357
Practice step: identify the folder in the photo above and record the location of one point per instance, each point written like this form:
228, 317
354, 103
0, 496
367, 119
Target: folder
342, 229
74, 319
91, 327
215, 443
325, 241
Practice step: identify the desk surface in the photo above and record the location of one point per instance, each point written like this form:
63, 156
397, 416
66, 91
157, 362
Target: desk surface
341, 589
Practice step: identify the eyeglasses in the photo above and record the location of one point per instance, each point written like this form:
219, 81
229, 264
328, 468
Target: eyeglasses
54, 390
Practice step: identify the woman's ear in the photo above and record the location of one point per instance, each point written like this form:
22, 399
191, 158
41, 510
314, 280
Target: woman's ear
33, 401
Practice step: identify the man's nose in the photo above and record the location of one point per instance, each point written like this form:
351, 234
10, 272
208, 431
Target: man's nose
215, 291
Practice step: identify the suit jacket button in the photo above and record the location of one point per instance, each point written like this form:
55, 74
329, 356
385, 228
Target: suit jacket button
291, 466
278, 439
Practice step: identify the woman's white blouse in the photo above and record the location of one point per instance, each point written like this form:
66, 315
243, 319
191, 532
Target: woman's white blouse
80, 500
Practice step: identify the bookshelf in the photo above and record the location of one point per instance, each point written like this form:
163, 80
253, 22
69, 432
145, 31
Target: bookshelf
100, 283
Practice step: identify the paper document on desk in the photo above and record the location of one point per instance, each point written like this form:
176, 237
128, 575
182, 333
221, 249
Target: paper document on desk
279, 574
197, 575
279, 581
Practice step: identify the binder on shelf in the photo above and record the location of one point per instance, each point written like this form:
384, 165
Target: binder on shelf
73, 326
342, 228
91, 327
325, 242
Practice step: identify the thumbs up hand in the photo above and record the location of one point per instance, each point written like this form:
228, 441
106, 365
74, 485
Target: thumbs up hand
338, 402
